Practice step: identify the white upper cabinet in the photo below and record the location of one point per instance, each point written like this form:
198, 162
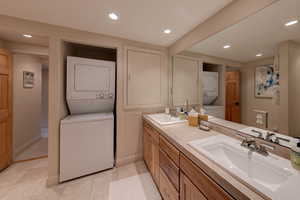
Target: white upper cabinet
186, 84
145, 71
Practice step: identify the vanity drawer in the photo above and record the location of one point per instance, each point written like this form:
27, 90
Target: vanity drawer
169, 149
204, 183
166, 188
169, 168
154, 134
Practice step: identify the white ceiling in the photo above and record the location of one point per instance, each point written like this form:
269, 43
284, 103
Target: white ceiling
140, 20
258, 33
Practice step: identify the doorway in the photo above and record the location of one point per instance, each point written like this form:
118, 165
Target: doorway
30, 94
233, 110
24, 97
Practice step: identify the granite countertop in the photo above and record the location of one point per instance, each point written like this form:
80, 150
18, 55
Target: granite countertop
181, 134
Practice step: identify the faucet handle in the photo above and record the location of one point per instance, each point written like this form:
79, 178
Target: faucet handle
268, 136
280, 138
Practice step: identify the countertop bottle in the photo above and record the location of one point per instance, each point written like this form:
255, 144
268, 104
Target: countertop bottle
295, 155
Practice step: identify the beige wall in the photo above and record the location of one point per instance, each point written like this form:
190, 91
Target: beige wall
26, 102
294, 89
248, 100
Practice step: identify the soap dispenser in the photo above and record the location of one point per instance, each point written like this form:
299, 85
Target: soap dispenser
295, 155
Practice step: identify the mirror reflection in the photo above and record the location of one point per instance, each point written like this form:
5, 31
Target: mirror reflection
252, 79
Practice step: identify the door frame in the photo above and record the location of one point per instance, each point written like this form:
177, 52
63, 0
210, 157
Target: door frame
10, 101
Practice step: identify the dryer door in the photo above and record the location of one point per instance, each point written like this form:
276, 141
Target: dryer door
90, 79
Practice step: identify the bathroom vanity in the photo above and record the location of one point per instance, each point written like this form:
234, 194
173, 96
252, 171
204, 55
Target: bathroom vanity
183, 169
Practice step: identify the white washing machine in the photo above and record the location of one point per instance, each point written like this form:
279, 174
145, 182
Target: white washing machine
86, 144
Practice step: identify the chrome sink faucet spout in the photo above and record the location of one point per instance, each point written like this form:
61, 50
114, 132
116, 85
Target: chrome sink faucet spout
253, 146
269, 137
186, 105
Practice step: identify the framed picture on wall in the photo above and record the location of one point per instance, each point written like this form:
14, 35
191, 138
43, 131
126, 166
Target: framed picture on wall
28, 79
266, 81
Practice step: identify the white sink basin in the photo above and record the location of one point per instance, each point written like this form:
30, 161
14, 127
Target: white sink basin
164, 119
268, 174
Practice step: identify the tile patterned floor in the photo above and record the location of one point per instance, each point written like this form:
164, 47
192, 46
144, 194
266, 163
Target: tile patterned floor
38, 149
27, 181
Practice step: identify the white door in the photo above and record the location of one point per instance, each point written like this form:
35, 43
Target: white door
186, 84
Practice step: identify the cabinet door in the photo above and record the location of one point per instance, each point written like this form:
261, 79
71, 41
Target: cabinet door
148, 150
206, 185
155, 153
144, 72
188, 191
166, 188
185, 81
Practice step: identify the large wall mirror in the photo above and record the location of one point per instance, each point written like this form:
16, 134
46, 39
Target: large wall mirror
249, 73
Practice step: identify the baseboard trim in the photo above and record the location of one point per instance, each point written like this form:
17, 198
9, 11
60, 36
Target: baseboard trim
129, 159
21, 148
31, 159
52, 181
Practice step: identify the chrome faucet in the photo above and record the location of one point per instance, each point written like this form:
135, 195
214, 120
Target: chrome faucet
251, 144
260, 134
186, 103
268, 136
173, 112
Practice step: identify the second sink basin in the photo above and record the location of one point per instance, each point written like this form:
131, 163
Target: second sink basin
164, 119
266, 173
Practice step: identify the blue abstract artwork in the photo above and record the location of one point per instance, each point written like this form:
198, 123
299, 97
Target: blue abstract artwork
266, 80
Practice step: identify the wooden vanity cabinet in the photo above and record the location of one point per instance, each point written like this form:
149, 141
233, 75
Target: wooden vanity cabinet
176, 176
151, 151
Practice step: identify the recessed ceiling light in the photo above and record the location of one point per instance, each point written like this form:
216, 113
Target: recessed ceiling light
113, 16
167, 31
259, 55
290, 23
227, 46
27, 35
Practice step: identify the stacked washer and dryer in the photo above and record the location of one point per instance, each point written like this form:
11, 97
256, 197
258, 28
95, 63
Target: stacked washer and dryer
87, 134
211, 93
